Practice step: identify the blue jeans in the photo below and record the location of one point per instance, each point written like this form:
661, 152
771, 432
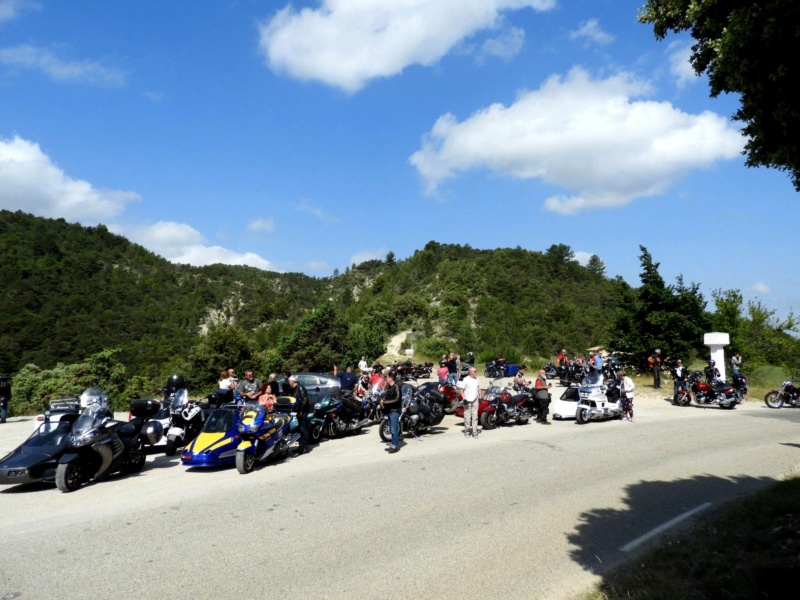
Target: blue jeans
3, 409
679, 385
452, 378
394, 427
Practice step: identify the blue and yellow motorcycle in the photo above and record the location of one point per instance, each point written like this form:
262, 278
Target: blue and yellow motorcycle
263, 434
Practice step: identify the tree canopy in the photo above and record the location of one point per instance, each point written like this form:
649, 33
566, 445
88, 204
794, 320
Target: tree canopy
750, 48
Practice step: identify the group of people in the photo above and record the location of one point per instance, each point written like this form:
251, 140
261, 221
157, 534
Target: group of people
680, 374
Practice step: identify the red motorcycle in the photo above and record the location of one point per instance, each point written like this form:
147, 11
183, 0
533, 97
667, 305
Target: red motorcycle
719, 393
789, 394
422, 370
498, 407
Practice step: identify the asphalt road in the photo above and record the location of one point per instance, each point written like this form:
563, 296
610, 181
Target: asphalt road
522, 512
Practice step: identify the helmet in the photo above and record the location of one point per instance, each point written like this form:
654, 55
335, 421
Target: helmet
175, 383
152, 432
711, 363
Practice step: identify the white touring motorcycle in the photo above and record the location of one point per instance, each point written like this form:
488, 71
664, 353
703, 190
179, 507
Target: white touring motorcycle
598, 401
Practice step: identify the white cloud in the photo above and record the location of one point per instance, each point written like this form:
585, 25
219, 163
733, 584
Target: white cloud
589, 136
591, 30
679, 65
11, 9
583, 257
266, 225
39, 59
505, 46
29, 181
316, 212
365, 255
346, 43
760, 288
182, 243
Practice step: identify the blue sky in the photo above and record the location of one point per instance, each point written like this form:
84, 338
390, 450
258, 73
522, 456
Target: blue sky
312, 135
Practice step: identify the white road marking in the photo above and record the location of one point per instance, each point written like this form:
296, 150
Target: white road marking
663, 527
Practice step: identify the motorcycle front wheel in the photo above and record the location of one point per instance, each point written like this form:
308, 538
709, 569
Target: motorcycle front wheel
582, 415
136, 459
170, 448
69, 477
488, 420
315, 435
682, 399
774, 399
729, 406
245, 461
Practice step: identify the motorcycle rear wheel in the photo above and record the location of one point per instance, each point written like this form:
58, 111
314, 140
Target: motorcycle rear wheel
136, 459
384, 431
245, 461
774, 399
582, 415
488, 420
69, 477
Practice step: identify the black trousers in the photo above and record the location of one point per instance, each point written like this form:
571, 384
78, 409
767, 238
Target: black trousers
544, 409
656, 377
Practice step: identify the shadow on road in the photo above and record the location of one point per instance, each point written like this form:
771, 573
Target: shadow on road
602, 533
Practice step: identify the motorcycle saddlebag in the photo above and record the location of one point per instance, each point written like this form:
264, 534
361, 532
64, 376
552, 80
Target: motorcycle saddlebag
145, 407
436, 396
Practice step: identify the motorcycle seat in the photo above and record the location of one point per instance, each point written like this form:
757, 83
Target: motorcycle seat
130, 429
519, 398
280, 421
723, 388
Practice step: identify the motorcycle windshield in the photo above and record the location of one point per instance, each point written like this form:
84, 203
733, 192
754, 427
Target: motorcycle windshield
180, 400
219, 421
93, 395
592, 379
87, 426
407, 392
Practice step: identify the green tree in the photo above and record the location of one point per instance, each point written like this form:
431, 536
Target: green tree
317, 343
749, 48
390, 259
656, 315
596, 265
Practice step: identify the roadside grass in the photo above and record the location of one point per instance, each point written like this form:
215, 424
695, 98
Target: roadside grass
749, 550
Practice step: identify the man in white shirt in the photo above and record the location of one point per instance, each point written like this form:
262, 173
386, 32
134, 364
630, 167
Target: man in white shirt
471, 390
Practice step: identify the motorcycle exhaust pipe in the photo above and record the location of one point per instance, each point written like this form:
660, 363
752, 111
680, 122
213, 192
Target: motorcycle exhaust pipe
293, 439
360, 424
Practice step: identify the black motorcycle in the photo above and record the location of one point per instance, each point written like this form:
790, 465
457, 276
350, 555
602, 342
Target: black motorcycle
420, 410
788, 395
338, 416
495, 368
100, 446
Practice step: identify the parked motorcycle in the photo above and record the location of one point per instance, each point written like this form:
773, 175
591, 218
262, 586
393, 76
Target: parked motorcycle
741, 387
569, 374
788, 394
720, 393
372, 404
263, 435
338, 416
495, 369
100, 446
187, 422
420, 410
422, 370
611, 367
550, 370
404, 371
498, 407
597, 400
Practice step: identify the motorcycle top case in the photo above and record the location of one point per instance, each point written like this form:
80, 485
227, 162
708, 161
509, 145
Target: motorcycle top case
145, 407
512, 369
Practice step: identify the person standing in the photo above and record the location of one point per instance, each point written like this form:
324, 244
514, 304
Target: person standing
471, 390
347, 380
301, 394
442, 373
470, 359
656, 360
5, 396
598, 362
452, 369
542, 395
679, 376
392, 404
626, 387
362, 365
736, 362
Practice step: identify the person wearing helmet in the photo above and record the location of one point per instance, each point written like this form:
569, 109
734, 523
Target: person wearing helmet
712, 372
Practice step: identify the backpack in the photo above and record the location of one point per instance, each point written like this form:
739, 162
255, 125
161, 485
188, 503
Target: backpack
650, 362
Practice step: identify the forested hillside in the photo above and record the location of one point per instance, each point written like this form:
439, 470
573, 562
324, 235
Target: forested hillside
70, 291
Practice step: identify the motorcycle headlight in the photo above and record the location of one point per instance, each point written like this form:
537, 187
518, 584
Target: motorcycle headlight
84, 439
241, 427
317, 406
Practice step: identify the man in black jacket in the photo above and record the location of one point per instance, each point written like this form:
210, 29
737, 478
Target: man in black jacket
679, 376
303, 408
392, 404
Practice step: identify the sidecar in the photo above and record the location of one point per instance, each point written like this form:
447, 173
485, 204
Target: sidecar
567, 405
217, 443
